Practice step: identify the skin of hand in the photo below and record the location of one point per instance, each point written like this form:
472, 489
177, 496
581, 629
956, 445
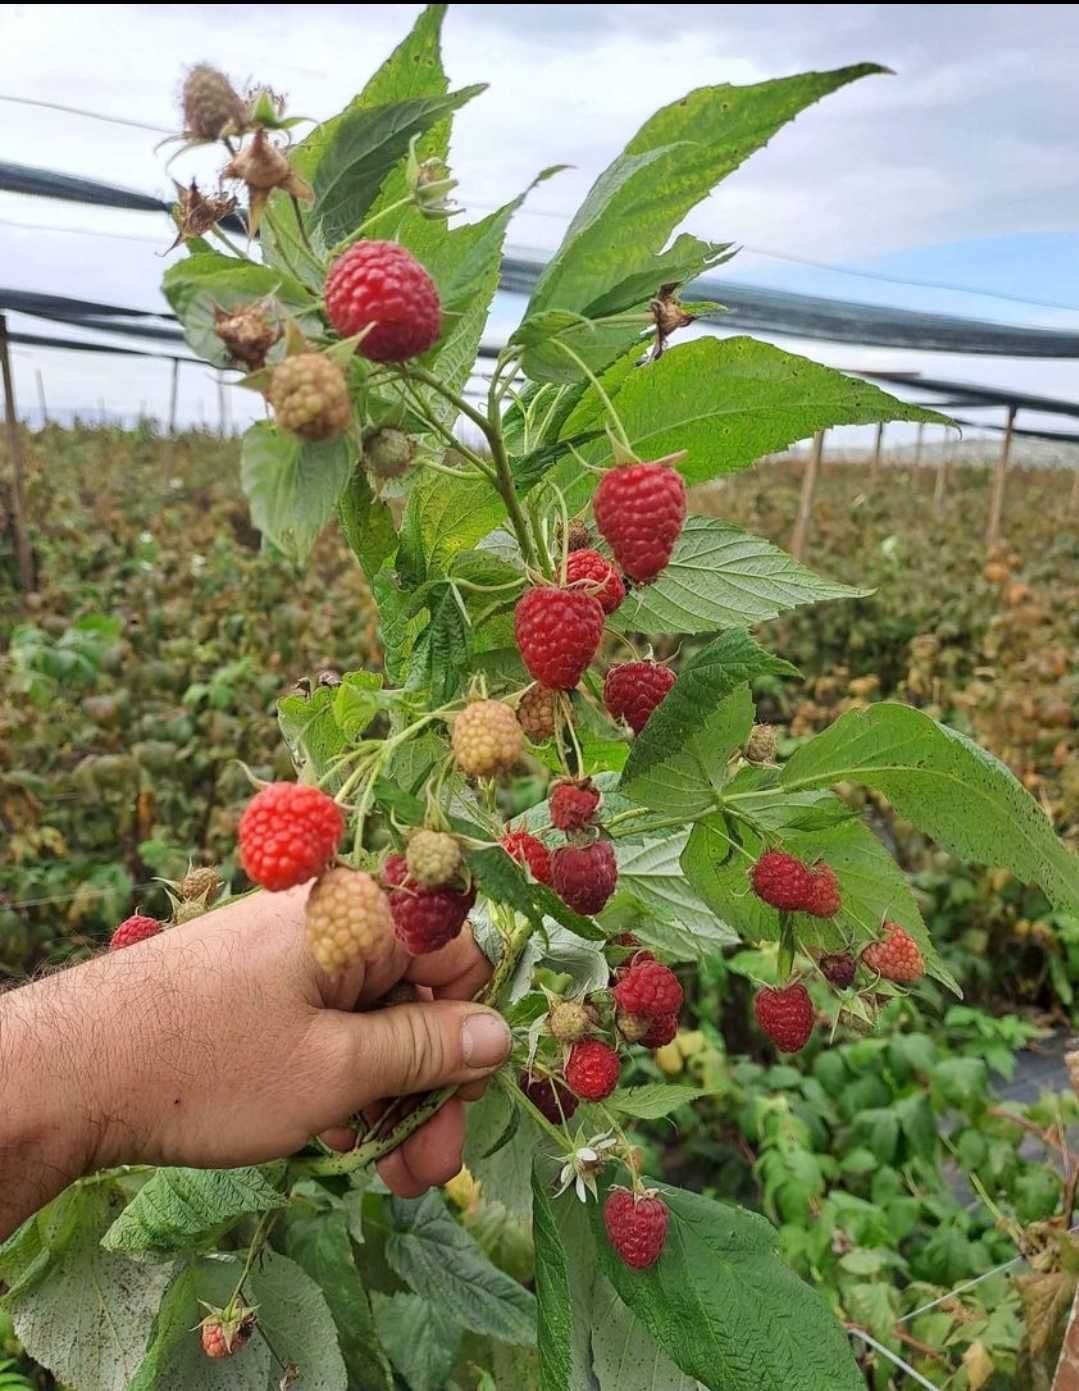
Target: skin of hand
222, 1043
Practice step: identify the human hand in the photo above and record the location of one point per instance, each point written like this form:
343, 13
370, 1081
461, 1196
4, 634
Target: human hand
221, 1043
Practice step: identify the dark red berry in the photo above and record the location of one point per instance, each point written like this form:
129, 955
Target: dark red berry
632, 691
584, 876
572, 805
786, 1015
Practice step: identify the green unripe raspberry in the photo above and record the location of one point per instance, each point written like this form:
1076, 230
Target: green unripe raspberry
570, 1021
433, 858
761, 744
309, 396
200, 883
387, 452
211, 105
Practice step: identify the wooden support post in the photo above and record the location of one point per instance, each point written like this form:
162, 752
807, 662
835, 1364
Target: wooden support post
996, 502
1073, 499
174, 392
874, 467
24, 561
805, 502
42, 403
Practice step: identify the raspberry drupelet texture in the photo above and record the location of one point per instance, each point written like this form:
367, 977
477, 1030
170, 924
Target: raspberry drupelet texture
636, 1226
309, 396
640, 510
897, 958
388, 453
593, 1069
632, 690
211, 105
569, 1021
785, 1014
589, 571
486, 739
530, 851
433, 858
380, 283
288, 834
584, 876
535, 714
649, 988
424, 919
550, 1097
226, 1337
662, 1031
558, 632
348, 920
782, 880
838, 969
824, 896
571, 804
137, 928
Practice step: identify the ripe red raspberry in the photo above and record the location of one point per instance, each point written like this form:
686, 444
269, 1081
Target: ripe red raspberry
549, 1097
640, 510
824, 898
786, 1016
289, 833
632, 691
897, 958
486, 739
584, 876
838, 969
587, 570
558, 632
622, 970
593, 1069
649, 988
535, 714
662, 1031
380, 283
783, 880
528, 850
424, 919
636, 1226
310, 397
572, 805
348, 920
134, 929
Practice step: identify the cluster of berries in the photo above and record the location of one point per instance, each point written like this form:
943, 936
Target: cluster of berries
583, 872
785, 1013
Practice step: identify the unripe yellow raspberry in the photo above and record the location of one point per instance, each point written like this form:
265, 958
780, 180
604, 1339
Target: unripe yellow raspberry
433, 858
761, 744
309, 396
486, 739
569, 1021
535, 714
348, 920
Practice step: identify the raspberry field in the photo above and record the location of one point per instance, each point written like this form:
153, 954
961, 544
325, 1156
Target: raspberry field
606, 934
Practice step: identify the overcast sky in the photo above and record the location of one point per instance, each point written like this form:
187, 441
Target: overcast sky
960, 168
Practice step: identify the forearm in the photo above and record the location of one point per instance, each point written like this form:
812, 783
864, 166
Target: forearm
48, 1125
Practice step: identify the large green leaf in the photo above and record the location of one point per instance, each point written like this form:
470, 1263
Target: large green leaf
723, 577
447, 515
320, 1245
678, 761
726, 402
176, 1209
297, 1320
956, 792
441, 1261
366, 144
650, 872
367, 523
725, 1308
310, 729
293, 486
563, 1280
625, 1357
87, 1315
421, 1339
610, 257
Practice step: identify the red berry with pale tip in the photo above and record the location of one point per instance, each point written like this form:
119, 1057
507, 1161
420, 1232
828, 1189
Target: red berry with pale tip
897, 958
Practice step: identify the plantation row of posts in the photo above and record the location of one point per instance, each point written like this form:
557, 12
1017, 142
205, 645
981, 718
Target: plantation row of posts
12, 483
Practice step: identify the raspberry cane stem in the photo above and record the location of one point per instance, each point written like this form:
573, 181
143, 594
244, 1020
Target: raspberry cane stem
370, 1150
613, 416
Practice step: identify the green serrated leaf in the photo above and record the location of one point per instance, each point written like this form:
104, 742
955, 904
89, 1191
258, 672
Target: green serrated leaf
197, 285
448, 515
563, 1367
951, 789
367, 523
723, 577
311, 731
717, 1295
654, 1099
356, 702
293, 486
678, 761
421, 1338
444, 1264
176, 1209
364, 147
651, 873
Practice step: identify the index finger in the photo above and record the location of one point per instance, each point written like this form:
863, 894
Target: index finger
454, 972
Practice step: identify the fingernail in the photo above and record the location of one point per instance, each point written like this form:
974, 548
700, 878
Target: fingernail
485, 1039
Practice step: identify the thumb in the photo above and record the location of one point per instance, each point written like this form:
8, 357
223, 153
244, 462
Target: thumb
414, 1048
